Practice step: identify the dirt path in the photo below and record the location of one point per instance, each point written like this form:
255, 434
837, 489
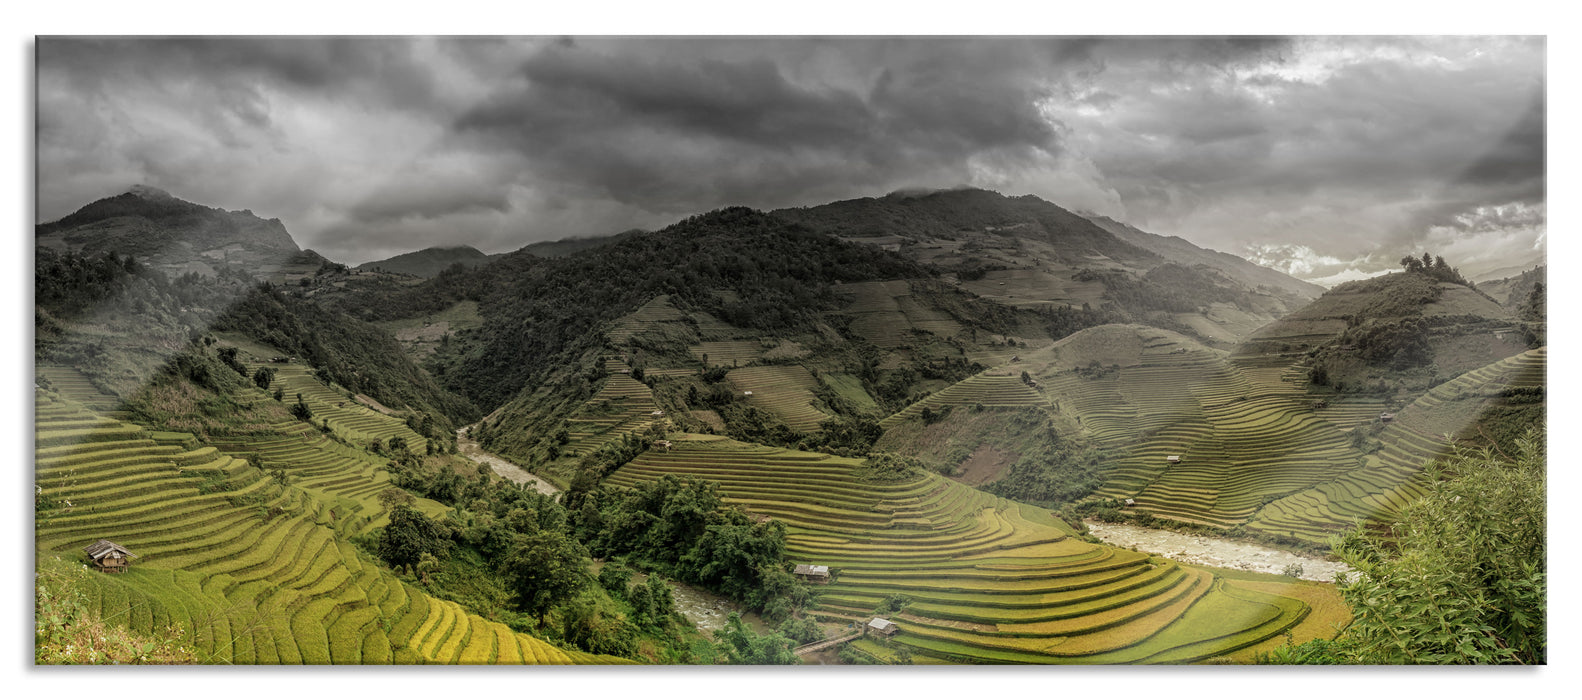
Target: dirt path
472, 450
1210, 551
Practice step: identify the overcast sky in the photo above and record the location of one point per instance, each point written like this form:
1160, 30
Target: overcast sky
1327, 157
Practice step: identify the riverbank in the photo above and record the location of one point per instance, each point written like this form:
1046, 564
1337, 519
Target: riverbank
1211, 551
470, 449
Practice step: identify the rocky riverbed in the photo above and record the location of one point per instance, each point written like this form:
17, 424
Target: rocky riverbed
1212, 551
473, 451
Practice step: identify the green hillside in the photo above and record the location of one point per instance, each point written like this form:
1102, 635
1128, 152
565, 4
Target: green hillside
988, 580
254, 570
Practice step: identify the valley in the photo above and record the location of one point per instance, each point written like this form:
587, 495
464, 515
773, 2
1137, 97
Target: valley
984, 415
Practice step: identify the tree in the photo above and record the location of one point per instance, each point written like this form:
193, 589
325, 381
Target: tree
615, 577
741, 645
409, 535
545, 569
263, 377
1461, 577
801, 631
300, 409
426, 564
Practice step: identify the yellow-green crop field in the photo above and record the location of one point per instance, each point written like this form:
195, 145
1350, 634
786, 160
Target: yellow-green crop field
990, 580
253, 570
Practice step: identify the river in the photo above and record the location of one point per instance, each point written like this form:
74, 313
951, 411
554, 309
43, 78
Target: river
1212, 551
472, 450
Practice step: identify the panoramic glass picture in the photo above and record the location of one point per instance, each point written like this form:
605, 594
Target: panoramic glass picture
790, 350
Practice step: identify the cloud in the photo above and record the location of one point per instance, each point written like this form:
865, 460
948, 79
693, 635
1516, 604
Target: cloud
1357, 148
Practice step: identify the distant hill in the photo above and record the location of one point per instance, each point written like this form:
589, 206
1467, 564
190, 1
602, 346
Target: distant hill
1479, 275
1027, 252
570, 246
428, 262
174, 235
1402, 331
1513, 291
1184, 252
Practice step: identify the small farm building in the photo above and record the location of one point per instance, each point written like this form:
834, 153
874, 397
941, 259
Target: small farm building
662, 443
657, 413
1173, 459
1131, 501
1386, 417
812, 573
882, 627
747, 393
109, 556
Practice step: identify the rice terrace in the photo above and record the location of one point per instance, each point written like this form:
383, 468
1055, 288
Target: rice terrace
771, 360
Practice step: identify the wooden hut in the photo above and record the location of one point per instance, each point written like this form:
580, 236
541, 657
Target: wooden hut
1386, 417
882, 627
657, 413
812, 573
1173, 459
1130, 502
108, 556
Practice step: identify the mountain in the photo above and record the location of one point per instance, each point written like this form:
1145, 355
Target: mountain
1183, 252
1480, 275
428, 262
1513, 291
571, 246
1405, 331
1026, 252
175, 236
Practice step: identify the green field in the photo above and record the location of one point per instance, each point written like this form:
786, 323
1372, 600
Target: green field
784, 390
1388, 478
991, 580
1254, 447
255, 571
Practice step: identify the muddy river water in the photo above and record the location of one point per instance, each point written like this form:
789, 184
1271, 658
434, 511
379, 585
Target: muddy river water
1211, 551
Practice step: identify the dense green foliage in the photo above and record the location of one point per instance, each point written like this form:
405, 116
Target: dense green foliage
410, 535
546, 568
1433, 267
740, 645
538, 311
351, 353
1461, 578
682, 528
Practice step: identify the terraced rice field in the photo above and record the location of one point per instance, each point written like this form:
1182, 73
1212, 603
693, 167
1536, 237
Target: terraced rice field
622, 406
74, 385
351, 419
989, 388
1389, 478
1244, 436
885, 313
256, 572
991, 580
727, 353
657, 310
784, 390
1350, 412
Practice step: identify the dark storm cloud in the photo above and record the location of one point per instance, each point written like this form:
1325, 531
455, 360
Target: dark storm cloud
1321, 155
677, 126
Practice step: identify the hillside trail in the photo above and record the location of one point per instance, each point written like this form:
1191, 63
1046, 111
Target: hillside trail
1212, 551
472, 450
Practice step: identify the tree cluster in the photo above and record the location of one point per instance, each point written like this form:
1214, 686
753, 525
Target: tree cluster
682, 528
